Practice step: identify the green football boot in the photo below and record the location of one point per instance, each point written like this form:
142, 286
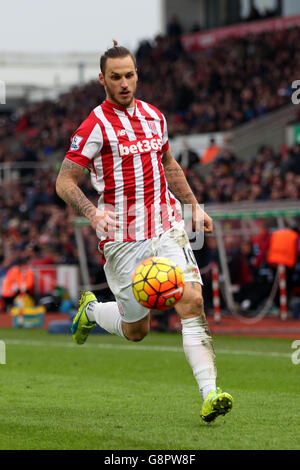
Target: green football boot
216, 404
81, 326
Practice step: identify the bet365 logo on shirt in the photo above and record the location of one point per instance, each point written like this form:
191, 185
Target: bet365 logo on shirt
140, 146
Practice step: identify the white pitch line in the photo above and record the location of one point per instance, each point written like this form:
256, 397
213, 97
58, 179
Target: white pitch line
142, 348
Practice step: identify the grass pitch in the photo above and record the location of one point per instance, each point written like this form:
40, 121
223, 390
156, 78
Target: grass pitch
114, 395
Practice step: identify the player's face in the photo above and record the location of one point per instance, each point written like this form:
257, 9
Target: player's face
119, 81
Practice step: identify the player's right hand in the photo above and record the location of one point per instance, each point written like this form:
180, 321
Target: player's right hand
105, 223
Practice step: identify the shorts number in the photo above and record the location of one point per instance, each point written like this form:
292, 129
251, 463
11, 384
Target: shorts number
189, 255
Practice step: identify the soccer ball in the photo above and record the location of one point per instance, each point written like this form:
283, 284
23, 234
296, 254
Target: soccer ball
158, 283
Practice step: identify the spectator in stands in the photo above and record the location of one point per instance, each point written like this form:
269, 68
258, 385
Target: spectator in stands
292, 163
174, 27
210, 153
17, 280
196, 28
261, 243
254, 14
187, 158
284, 250
144, 50
253, 288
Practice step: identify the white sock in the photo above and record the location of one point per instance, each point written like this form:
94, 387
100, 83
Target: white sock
199, 352
106, 315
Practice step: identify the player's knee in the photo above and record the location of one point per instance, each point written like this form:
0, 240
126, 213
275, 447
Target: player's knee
136, 336
193, 306
199, 303
196, 306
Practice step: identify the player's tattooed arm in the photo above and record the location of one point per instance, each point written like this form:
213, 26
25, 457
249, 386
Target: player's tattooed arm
179, 186
67, 188
177, 181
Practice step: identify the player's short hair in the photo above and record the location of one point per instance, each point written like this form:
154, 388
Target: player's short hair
113, 53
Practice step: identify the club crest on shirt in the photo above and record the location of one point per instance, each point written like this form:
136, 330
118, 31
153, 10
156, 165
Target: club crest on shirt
75, 143
152, 127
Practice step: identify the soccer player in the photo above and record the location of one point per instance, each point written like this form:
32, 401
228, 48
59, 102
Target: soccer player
124, 145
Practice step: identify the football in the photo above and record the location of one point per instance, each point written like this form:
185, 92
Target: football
158, 283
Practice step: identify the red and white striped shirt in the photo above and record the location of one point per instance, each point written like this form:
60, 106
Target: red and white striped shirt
123, 148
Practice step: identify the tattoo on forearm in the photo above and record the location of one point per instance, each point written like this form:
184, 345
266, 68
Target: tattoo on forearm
69, 191
178, 184
73, 196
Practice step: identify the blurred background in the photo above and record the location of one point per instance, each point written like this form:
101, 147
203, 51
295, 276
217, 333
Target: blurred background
222, 72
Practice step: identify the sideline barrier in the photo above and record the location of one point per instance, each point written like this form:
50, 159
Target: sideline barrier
281, 284
246, 212
282, 292
28, 317
216, 292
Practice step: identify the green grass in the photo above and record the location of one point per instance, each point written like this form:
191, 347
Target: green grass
114, 395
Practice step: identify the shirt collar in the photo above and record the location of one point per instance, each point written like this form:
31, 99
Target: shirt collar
108, 105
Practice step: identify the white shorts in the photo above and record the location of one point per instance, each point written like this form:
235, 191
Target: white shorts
122, 258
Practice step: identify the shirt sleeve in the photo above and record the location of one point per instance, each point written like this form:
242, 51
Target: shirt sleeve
165, 137
86, 143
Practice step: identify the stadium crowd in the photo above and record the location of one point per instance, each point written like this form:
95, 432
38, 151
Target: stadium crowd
206, 91
267, 176
218, 89
203, 91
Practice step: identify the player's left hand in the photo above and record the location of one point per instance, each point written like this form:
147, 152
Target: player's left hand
208, 224
201, 220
